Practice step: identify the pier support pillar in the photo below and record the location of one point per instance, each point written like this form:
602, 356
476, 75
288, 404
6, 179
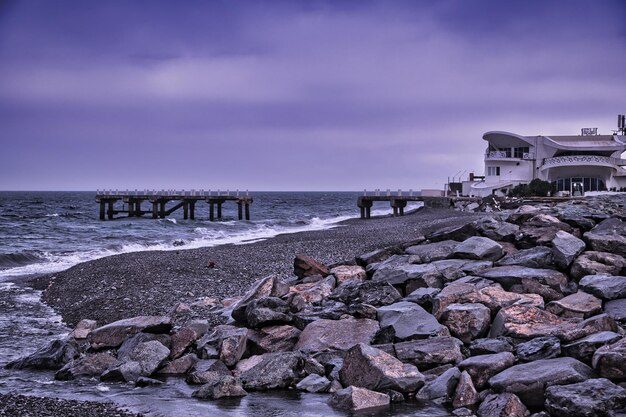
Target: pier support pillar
137, 208
155, 210
211, 211
102, 210
395, 211
219, 209
240, 210
110, 210
192, 210
366, 208
185, 210
247, 211
162, 209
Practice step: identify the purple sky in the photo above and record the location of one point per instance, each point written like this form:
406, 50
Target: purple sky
293, 95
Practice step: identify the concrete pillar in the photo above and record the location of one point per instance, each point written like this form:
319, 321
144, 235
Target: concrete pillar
240, 210
247, 211
219, 209
192, 210
138, 212
212, 211
110, 210
155, 210
185, 209
102, 210
162, 209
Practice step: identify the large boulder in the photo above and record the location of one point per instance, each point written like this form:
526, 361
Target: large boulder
497, 230
273, 339
429, 252
367, 292
54, 356
488, 346
458, 233
465, 394
521, 279
565, 248
205, 371
410, 321
222, 387
466, 321
616, 309
83, 328
267, 311
583, 349
325, 335
113, 334
345, 273
430, 353
502, 405
228, 343
305, 266
483, 367
537, 257
607, 287
580, 304
530, 380
596, 263
367, 367
314, 383
87, 366
143, 361
441, 387
610, 361
525, 322
179, 366
310, 293
355, 399
477, 247
270, 286
186, 336
594, 397
275, 370
132, 342
608, 236
538, 348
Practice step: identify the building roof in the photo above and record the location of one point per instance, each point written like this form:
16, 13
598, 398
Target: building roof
595, 141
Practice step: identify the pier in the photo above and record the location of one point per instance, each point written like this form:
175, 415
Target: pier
156, 203
399, 202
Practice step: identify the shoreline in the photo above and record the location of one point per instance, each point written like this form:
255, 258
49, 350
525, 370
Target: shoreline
155, 282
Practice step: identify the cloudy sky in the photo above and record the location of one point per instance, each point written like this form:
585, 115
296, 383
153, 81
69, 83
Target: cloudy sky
293, 95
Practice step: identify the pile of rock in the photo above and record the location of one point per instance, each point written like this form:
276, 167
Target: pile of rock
519, 313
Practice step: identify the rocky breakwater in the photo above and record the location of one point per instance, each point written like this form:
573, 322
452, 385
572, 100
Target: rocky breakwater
519, 313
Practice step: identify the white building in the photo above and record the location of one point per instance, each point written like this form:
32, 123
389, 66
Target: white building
573, 164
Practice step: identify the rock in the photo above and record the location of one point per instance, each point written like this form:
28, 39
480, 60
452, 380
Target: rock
83, 328
270, 286
529, 380
274, 370
228, 343
132, 342
273, 339
185, 337
465, 394
324, 335
90, 365
306, 294
511, 277
113, 334
54, 356
355, 399
565, 248
225, 386
483, 367
458, 233
204, 371
502, 405
477, 247
378, 255
497, 230
488, 346
144, 360
304, 266
595, 397
410, 321
580, 304
367, 292
423, 297
441, 387
538, 348
143, 381
527, 322
314, 383
395, 273
362, 311
610, 361
583, 349
179, 366
430, 252
430, 353
608, 236
367, 367
539, 257
597, 263
466, 321
607, 287
463, 412
266, 311
345, 273
616, 309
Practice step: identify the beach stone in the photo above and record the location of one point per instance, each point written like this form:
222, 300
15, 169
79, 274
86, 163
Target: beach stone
538, 348
274, 339
466, 321
497, 230
362, 311
429, 252
488, 346
270, 286
54, 356
355, 399
430, 353
514, 276
233, 346
529, 380
185, 337
344, 273
465, 394
423, 297
531, 236
539, 257
426, 274
477, 247
527, 322
113, 334
594, 397
547, 220
607, 287
502, 405
367, 367
608, 236
367, 292
483, 367
410, 321
87, 366
610, 361
266, 311
565, 248
224, 386
597, 263
579, 304
314, 383
132, 342
616, 309
324, 335
378, 255
442, 386
206, 377
583, 349
179, 366
204, 370
458, 233
274, 370
306, 294
304, 266
83, 328
144, 360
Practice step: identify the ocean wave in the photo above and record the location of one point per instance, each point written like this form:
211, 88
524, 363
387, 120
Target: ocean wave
12, 260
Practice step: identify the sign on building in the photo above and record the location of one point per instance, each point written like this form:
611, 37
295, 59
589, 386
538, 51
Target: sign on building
589, 131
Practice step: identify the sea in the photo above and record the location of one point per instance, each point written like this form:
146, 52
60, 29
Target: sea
46, 232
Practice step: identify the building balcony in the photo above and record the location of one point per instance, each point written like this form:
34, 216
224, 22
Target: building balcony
502, 156
575, 160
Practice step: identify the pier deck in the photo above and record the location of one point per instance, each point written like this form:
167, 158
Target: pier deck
158, 201
399, 202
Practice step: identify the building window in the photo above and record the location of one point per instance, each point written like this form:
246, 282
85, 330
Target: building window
493, 171
519, 152
576, 184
